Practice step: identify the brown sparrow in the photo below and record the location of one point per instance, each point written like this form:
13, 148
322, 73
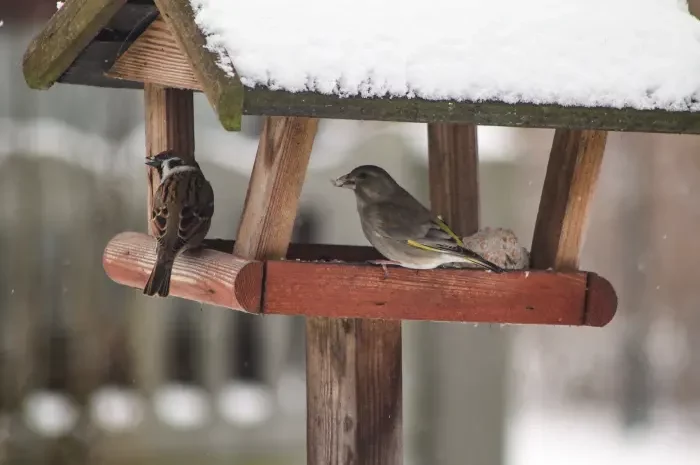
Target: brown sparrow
182, 209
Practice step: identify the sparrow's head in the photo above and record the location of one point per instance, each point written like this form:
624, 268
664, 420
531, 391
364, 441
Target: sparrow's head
168, 162
368, 180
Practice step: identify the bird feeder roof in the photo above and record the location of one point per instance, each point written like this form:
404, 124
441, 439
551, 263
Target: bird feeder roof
631, 65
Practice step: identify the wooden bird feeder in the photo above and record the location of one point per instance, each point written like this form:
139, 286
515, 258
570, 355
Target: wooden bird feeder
353, 309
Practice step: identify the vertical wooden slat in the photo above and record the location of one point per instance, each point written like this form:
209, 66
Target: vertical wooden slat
169, 126
572, 174
454, 175
274, 187
466, 429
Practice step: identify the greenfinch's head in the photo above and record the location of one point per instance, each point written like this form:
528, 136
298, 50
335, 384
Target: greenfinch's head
370, 180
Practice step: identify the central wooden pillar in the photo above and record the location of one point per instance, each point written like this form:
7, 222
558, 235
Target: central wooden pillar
466, 387
169, 125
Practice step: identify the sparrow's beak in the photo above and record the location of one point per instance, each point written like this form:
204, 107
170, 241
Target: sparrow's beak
156, 160
344, 181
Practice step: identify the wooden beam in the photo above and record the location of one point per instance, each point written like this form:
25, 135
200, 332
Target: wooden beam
156, 58
223, 89
312, 287
261, 101
209, 277
274, 187
517, 297
169, 126
66, 34
354, 399
572, 174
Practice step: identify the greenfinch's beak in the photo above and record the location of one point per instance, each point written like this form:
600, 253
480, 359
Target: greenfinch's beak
153, 162
344, 181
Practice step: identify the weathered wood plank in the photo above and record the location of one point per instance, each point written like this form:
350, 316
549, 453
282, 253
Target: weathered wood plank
312, 288
517, 297
453, 166
67, 33
210, 277
268, 102
224, 92
356, 403
169, 126
572, 174
156, 58
274, 187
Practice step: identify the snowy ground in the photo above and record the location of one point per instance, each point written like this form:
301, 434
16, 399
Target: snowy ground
594, 437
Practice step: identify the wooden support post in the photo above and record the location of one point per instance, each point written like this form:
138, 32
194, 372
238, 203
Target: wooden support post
453, 165
274, 187
572, 174
479, 417
353, 392
169, 126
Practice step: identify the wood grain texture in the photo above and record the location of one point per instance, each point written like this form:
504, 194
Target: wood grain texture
354, 392
453, 165
572, 174
312, 288
66, 34
274, 187
362, 291
156, 58
210, 277
223, 90
263, 101
169, 125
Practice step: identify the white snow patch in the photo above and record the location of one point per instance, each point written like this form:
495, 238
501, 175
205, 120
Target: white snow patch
245, 403
117, 409
182, 406
619, 53
59, 5
50, 413
593, 436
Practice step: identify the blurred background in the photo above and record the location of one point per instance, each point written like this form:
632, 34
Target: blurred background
92, 372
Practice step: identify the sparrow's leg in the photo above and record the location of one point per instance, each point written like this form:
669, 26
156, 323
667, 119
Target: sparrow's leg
383, 264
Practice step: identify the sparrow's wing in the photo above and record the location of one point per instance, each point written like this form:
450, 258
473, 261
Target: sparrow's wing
159, 216
197, 209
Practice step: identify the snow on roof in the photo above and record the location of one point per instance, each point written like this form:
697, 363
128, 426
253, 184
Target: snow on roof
643, 54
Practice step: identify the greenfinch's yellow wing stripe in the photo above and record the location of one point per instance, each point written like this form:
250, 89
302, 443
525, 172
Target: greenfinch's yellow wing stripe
447, 229
418, 245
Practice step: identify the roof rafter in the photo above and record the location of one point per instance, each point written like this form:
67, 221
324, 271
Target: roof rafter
69, 31
224, 92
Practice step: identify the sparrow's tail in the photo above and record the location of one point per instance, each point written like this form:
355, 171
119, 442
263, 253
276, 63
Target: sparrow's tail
159, 281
